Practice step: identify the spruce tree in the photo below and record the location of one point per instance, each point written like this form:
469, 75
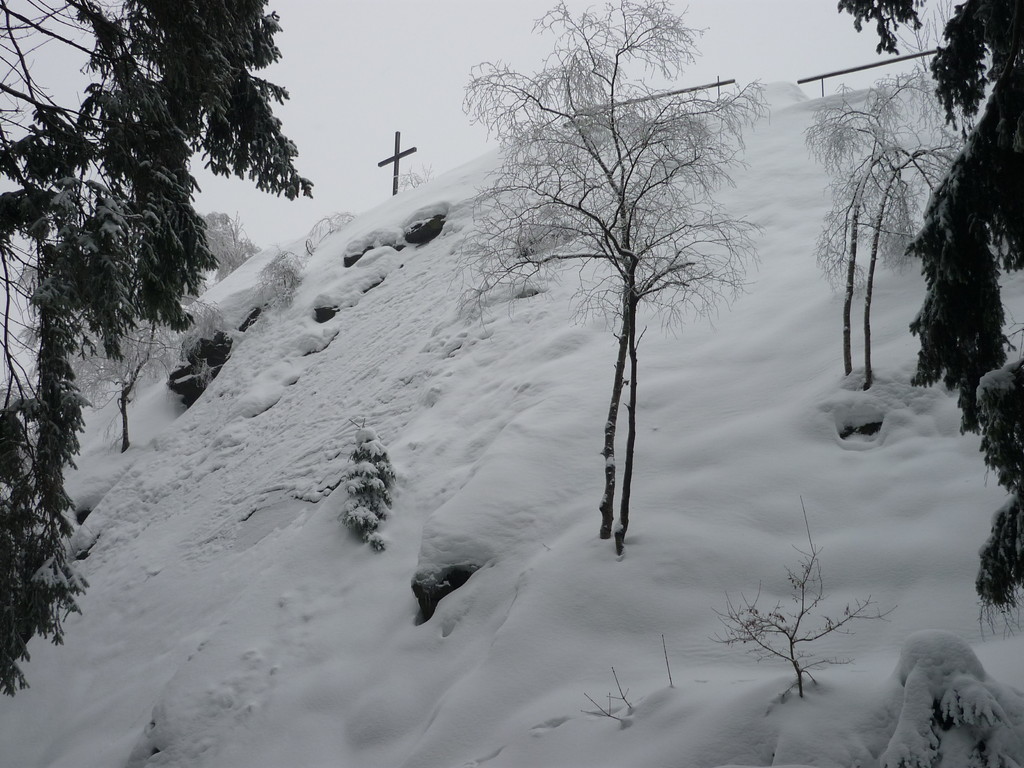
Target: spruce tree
98, 234
973, 231
368, 481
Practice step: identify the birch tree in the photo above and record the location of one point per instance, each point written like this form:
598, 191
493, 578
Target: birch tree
601, 169
884, 152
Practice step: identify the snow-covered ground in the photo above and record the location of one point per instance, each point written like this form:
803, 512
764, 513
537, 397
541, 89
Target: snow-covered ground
232, 621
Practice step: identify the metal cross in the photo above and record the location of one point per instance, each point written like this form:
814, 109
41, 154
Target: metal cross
395, 158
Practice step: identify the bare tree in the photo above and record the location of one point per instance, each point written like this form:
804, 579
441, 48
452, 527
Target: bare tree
784, 631
144, 351
227, 241
884, 153
413, 179
601, 169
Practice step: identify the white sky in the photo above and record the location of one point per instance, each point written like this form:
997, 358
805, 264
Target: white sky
359, 70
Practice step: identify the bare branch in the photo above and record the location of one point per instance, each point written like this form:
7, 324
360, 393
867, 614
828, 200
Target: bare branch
780, 632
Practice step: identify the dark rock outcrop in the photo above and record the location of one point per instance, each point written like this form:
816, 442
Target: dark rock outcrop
251, 318
870, 428
82, 548
323, 314
373, 285
421, 232
358, 249
352, 258
203, 364
431, 588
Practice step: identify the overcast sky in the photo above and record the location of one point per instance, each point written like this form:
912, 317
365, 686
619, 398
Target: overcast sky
359, 70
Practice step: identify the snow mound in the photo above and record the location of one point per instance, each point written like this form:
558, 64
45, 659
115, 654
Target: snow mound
780, 95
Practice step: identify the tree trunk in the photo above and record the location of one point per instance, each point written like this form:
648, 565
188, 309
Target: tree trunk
868, 376
122, 406
879, 218
607, 507
627, 467
851, 273
127, 387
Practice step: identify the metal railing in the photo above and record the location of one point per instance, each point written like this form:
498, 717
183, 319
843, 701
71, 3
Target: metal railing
660, 95
862, 67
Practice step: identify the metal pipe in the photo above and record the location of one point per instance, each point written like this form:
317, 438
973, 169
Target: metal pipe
863, 67
717, 84
706, 86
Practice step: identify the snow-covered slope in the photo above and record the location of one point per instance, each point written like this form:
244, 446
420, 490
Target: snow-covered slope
232, 621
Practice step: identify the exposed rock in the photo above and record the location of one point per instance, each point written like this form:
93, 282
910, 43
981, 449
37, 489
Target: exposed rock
421, 232
373, 285
323, 314
351, 259
431, 588
870, 428
389, 236
81, 547
214, 352
186, 385
251, 318
203, 364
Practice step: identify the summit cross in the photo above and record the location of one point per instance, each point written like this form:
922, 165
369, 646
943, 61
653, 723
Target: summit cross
399, 154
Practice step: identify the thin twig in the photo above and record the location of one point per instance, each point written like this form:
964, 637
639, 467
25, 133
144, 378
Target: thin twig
602, 710
667, 667
622, 695
807, 525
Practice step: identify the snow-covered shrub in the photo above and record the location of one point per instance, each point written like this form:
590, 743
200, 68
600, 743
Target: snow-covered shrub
325, 227
952, 714
278, 281
368, 481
